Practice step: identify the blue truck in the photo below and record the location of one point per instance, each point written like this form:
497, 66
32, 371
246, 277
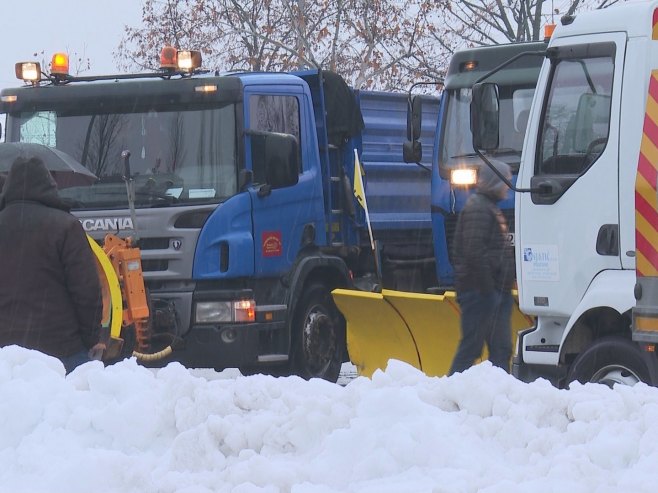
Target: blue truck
422, 328
243, 199
454, 151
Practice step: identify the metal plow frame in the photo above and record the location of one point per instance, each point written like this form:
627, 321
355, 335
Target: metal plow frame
420, 329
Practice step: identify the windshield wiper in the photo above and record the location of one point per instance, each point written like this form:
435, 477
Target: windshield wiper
156, 194
504, 150
467, 154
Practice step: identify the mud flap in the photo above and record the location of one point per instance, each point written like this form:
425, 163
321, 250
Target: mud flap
420, 329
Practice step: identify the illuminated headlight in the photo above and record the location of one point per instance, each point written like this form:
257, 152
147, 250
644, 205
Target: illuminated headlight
206, 312
28, 71
189, 60
463, 177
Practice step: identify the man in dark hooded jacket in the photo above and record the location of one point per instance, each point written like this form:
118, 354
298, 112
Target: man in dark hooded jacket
50, 294
484, 273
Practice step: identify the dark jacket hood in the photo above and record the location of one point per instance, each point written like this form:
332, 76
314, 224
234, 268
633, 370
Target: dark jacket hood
30, 180
488, 181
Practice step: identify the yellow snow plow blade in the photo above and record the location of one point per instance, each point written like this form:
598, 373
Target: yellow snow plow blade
420, 329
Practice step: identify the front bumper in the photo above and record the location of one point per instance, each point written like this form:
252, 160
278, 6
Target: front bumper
224, 346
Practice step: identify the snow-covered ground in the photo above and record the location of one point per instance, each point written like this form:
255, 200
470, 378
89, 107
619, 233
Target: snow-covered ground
126, 429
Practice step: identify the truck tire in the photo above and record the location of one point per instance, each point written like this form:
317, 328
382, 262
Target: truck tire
609, 361
318, 335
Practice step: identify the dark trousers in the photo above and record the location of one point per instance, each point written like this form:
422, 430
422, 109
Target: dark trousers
484, 318
75, 360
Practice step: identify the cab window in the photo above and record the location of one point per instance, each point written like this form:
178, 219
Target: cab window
576, 119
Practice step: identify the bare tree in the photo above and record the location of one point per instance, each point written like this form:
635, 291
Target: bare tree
382, 44
485, 22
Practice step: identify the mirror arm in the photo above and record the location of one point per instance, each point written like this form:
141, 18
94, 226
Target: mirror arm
505, 180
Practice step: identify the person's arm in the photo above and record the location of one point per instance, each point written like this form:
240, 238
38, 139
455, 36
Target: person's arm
82, 283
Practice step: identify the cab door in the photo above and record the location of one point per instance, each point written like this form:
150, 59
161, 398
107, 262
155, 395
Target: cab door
568, 231
285, 217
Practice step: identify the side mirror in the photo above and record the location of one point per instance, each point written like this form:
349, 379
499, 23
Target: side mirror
412, 149
414, 118
485, 113
275, 158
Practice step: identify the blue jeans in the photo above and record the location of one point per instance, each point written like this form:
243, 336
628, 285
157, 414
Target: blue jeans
484, 318
75, 360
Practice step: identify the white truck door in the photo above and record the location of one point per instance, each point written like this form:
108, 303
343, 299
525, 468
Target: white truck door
569, 232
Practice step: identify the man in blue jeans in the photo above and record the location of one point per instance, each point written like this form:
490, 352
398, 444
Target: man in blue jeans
484, 273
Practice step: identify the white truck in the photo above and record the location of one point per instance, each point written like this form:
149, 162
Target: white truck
586, 187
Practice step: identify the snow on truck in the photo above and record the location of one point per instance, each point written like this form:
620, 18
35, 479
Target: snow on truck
242, 186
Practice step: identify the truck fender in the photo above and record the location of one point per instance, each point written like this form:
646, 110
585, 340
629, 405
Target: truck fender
305, 267
610, 288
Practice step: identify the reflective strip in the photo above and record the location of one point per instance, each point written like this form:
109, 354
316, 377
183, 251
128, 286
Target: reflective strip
646, 200
646, 324
654, 24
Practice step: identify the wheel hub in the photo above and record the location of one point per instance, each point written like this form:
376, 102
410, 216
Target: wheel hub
615, 374
319, 341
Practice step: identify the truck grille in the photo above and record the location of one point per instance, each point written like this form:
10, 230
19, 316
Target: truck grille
155, 265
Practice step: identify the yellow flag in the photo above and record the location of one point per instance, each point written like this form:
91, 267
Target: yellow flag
359, 192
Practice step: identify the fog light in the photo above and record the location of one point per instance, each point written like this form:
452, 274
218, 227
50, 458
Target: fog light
229, 335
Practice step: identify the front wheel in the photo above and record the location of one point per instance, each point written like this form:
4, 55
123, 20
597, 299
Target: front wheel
318, 335
610, 361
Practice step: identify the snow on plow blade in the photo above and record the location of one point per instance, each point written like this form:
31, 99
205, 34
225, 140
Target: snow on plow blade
420, 329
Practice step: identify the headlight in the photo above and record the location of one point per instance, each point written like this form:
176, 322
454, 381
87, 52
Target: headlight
206, 312
213, 311
463, 177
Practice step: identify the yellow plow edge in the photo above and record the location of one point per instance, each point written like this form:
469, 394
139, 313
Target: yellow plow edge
420, 329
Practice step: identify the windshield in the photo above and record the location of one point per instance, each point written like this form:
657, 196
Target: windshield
457, 141
176, 157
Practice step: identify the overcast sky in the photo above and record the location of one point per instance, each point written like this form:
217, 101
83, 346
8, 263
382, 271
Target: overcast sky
90, 27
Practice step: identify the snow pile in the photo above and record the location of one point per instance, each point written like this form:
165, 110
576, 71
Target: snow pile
126, 428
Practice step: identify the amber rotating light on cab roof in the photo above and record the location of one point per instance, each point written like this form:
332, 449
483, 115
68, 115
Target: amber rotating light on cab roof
59, 65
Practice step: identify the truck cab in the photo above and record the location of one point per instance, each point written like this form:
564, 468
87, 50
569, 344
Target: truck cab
243, 199
453, 154
586, 185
